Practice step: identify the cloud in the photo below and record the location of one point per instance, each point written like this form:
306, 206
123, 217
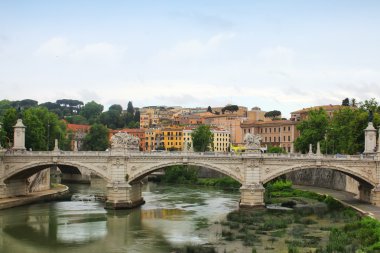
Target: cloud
195, 48
55, 47
277, 56
63, 48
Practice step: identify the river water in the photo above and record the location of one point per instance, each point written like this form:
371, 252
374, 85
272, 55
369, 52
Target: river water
172, 216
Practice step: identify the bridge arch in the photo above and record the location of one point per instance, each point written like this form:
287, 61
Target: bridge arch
150, 169
360, 177
29, 169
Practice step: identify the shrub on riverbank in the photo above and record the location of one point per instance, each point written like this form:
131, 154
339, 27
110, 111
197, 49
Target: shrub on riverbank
222, 182
359, 236
181, 174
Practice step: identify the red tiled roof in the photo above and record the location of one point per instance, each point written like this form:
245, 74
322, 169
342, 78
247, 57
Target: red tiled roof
77, 127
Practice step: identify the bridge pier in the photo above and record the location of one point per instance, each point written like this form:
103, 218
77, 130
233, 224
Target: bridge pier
121, 195
252, 195
375, 196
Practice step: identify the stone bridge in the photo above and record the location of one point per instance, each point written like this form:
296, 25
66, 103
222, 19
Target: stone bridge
123, 170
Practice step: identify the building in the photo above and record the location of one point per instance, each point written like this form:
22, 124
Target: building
153, 139
256, 114
172, 138
228, 122
280, 133
304, 113
221, 139
78, 132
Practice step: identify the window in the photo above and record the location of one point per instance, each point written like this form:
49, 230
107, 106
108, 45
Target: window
265, 130
288, 128
284, 128
270, 130
289, 138
270, 139
284, 137
274, 139
265, 139
274, 129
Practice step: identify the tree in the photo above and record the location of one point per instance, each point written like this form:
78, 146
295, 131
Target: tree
91, 111
312, 130
209, 109
42, 128
136, 118
275, 149
9, 120
97, 138
116, 107
346, 102
4, 106
130, 108
369, 105
77, 119
345, 133
230, 108
272, 114
202, 138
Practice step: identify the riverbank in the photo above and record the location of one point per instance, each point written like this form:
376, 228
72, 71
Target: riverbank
346, 198
56, 193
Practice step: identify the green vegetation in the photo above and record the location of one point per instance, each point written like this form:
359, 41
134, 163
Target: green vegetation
182, 174
97, 138
312, 130
47, 121
202, 138
275, 149
343, 133
222, 182
196, 249
272, 114
230, 108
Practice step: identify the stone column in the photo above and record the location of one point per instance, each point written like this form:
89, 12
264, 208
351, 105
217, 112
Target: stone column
375, 196
19, 136
121, 195
369, 139
365, 192
252, 190
252, 195
310, 149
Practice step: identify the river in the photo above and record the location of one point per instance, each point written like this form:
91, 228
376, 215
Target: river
172, 216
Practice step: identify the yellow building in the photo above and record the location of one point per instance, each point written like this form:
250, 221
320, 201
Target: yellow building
222, 140
153, 139
186, 138
172, 137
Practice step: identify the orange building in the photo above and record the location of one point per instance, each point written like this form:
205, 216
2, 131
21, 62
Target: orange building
280, 133
230, 123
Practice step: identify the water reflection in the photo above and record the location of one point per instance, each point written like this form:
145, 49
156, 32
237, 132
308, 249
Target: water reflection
167, 219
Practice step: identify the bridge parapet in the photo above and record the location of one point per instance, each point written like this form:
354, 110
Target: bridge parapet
293, 156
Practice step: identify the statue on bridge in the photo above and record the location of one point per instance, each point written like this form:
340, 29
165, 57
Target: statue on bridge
252, 142
126, 141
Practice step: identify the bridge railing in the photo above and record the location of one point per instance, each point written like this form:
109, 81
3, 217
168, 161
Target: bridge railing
187, 154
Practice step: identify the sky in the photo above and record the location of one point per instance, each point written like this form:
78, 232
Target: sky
275, 54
